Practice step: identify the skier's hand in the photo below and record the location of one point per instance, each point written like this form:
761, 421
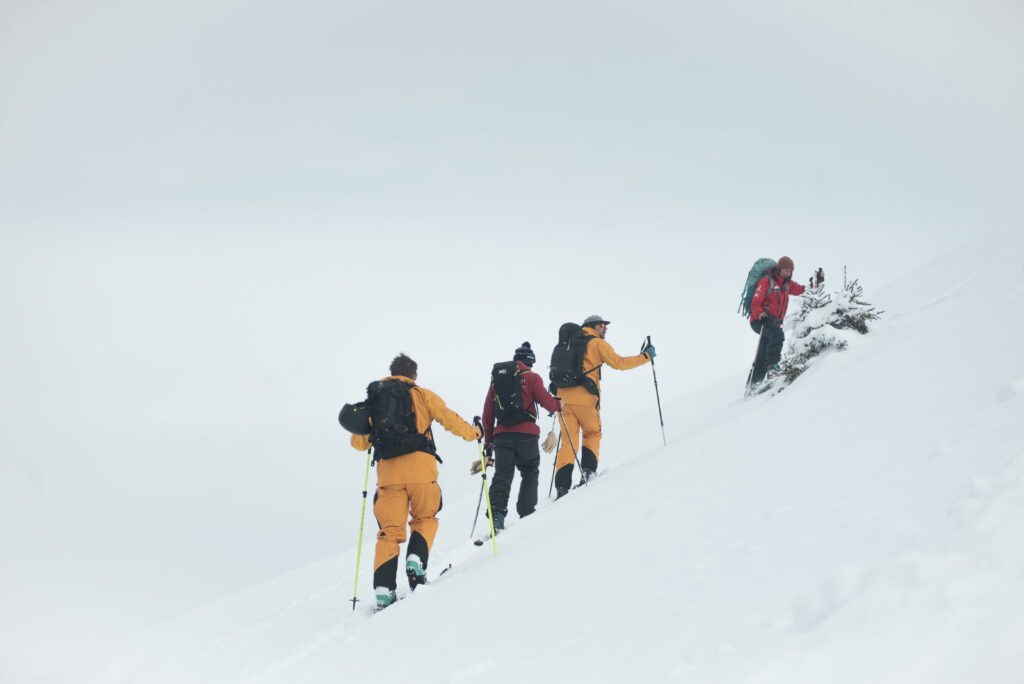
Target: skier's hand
559, 401
763, 316
488, 449
650, 352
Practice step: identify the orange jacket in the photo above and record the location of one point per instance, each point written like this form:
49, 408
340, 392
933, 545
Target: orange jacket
599, 352
418, 466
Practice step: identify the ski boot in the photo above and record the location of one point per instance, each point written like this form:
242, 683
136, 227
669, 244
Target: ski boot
499, 521
414, 571
385, 597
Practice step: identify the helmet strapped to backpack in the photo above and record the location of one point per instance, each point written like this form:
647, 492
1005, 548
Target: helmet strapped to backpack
393, 430
355, 418
567, 360
507, 381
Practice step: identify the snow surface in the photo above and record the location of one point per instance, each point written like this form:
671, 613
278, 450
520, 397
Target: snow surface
194, 197
864, 525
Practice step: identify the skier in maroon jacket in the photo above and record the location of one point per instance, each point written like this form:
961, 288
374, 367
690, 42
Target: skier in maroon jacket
515, 444
767, 311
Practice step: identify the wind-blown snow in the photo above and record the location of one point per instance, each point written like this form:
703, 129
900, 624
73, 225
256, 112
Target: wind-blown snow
863, 525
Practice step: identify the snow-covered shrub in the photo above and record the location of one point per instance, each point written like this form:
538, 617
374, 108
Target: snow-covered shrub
824, 322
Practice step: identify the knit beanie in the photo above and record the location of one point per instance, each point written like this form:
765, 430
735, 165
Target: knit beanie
785, 262
525, 354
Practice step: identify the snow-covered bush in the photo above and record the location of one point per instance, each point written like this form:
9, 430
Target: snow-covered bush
824, 322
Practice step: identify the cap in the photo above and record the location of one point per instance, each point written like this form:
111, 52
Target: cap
594, 320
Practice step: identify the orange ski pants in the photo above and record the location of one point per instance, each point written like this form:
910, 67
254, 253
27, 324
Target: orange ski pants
394, 505
585, 418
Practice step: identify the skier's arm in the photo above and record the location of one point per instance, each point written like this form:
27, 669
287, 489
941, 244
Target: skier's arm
796, 288
541, 395
449, 420
617, 362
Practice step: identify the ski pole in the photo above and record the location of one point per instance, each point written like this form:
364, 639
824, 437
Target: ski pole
479, 500
656, 392
362, 519
573, 447
554, 463
483, 470
750, 375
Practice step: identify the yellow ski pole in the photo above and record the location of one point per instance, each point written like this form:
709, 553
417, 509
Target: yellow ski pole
483, 470
362, 519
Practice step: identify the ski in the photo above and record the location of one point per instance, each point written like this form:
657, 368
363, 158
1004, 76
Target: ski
581, 483
482, 540
411, 592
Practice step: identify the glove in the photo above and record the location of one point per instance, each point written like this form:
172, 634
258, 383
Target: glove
650, 352
550, 442
474, 467
488, 449
557, 399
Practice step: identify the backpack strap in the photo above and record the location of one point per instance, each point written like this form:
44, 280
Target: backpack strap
587, 382
519, 374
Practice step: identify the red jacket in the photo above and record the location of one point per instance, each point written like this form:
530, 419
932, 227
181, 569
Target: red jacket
772, 295
533, 393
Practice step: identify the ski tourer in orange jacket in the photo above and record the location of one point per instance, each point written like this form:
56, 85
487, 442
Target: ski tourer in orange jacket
407, 489
581, 409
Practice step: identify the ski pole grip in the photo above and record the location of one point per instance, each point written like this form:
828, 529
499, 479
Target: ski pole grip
479, 424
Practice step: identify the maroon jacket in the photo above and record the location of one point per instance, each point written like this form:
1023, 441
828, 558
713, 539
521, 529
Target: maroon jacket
533, 393
771, 295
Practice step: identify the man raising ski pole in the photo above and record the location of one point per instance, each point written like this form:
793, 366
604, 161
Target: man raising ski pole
581, 404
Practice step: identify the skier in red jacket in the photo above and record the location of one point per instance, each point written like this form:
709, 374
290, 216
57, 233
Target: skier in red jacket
767, 311
514, 441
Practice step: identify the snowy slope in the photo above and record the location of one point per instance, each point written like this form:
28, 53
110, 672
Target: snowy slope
864, 525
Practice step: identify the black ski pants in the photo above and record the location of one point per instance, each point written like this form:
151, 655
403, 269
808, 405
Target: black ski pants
513, 451
769, 349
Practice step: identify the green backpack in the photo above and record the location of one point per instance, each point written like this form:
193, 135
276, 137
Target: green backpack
759, 270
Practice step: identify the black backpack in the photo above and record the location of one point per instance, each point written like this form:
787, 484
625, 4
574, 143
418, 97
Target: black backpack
393, 432
567, 360
507, 381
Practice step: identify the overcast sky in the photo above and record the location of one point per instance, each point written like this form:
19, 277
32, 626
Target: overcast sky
220, 220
